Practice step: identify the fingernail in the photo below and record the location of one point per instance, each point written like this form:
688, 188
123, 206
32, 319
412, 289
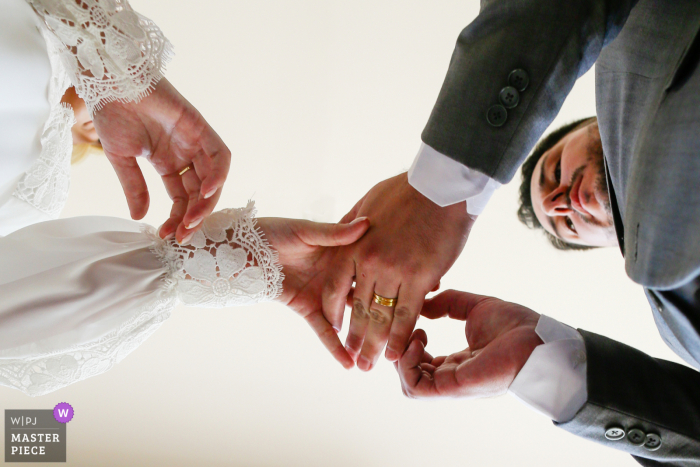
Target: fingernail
186, 240
391, 355
359, 219
336, 329
364, 364
194, 223
169, 236
210, 194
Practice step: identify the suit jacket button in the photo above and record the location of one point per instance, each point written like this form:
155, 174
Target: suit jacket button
614, 433
519, 79
509, 97
497, 115
652, 441
636, 436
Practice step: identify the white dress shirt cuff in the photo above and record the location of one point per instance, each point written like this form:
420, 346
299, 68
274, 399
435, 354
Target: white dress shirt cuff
445, 181
553, 380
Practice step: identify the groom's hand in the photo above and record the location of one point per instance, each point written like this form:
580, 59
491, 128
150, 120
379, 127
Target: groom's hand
500, 337
168, 131
410, 245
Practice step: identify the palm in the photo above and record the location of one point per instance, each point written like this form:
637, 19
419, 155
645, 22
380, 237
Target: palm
500, 337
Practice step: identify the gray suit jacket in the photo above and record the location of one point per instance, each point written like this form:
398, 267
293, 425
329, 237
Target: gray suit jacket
648, 104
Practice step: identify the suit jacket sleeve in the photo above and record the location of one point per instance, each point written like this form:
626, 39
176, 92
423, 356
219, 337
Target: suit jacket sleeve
553, 41
628, 389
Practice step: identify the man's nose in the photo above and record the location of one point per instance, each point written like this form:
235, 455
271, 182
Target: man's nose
557, 203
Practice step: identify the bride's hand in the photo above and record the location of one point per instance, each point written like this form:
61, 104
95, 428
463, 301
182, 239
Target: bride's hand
305, 252
172, 135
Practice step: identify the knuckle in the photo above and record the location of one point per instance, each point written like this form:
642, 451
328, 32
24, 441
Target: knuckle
332, 285
412, 268
358, 310
326, 333
378, 316
402, 313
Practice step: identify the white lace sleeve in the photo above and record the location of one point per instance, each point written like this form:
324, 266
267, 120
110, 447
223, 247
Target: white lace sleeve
80, 294
42, 191
227, 263
110, 51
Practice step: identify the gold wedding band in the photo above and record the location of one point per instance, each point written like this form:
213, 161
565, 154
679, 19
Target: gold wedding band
383, 301
182, 172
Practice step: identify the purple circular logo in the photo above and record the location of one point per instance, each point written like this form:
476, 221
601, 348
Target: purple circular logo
63, 412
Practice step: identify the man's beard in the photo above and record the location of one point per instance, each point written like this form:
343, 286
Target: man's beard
600, 184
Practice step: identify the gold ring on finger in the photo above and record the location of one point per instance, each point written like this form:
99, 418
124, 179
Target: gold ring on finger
383, 301
182, 172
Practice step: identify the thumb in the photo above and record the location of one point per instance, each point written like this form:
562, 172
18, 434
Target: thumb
452, 303
323, 234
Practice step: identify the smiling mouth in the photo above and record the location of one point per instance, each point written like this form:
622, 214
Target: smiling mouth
575, 196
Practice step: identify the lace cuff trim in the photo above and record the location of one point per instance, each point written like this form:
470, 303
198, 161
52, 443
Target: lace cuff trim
45, 185
227, 263
50, 371
111, 52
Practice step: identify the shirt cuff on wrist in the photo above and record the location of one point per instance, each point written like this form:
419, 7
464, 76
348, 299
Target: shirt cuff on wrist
445, 181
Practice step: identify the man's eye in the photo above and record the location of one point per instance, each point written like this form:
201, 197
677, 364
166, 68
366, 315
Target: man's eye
570, 224
557, 172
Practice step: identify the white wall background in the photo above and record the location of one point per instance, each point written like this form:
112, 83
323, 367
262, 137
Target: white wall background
318, 101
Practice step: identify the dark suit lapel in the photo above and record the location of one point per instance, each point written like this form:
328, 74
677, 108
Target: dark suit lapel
617, 218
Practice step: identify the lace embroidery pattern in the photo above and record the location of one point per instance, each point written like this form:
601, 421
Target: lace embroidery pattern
227, 263
45, 185
111, 52
51, 371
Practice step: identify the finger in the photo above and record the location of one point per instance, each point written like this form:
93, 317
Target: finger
408, 306
359, 319
460, 357
436, 288
336, 288
178, 195
380, 319
349, 301
192, 184
437, 361
197, 211
452, 303
133, 184
329, 338
420, 335
323, 234
214, 165
413, 379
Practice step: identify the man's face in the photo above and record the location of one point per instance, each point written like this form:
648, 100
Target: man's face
569, 191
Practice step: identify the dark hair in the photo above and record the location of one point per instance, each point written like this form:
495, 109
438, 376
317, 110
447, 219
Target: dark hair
526, 213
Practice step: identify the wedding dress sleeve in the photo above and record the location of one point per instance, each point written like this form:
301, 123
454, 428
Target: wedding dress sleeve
42, 191
110, 51
79, 294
